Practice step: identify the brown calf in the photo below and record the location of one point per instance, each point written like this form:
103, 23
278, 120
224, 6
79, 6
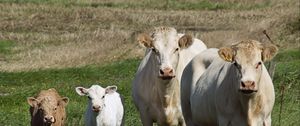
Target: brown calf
47, 108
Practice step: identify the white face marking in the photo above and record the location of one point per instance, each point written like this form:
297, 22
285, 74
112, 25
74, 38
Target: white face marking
248, 61
166, 48
96, 95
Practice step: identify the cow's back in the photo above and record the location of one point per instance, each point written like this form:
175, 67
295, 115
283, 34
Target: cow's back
202, 98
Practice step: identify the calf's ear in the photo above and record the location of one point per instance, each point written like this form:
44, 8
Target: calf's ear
64, 101
185, 41
81, 91
145, 39
268, 52
110, 89
33, 102
226, 53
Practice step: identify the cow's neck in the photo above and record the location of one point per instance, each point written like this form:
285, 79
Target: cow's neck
167, 91
251, 106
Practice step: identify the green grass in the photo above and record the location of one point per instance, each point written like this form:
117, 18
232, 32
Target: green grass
5, 46
154, 4
16, 87
287, 75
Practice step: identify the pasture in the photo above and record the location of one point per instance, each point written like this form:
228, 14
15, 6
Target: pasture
67, 43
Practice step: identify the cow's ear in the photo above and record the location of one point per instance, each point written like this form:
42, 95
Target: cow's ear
185, 41
33, 102
226, 53
81, 91
145, 39
268, 52
64, 101
111, 89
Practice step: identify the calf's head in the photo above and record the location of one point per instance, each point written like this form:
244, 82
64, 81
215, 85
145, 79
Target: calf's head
45, 107
165, 44
96, 95
248, 57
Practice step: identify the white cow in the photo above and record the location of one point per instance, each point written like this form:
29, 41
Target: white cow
105, 106
235, 89
155, 87
188, 53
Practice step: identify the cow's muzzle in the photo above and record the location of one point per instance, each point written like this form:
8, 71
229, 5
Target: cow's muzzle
49, 119
96, 108
166, 73
247, 92
166, 77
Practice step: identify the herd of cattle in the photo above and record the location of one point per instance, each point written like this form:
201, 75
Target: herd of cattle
179, 82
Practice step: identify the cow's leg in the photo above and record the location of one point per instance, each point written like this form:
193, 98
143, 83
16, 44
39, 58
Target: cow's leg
267, 121
145, 118
181, 121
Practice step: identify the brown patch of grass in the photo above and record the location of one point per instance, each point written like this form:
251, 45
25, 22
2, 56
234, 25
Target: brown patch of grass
55, 36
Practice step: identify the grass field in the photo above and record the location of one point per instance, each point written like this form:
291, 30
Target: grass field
69, 43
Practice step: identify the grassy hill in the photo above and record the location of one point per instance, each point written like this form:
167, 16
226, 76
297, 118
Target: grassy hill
69, 43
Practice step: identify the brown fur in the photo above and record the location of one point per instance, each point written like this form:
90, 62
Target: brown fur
47, 100
185, 41
145, 39
268, 52
247, 46
226, 54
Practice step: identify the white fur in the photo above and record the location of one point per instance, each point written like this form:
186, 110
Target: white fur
111, 113
210, 93
158, 100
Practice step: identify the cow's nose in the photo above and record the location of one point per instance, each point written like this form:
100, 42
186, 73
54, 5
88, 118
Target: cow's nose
49, 119
96, 108
247, 85
166, 72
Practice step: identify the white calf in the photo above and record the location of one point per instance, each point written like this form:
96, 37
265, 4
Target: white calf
105, 107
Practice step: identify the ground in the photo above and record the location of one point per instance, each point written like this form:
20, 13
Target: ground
63, 44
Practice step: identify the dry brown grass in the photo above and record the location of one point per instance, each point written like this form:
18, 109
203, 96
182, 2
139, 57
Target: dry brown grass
55, 36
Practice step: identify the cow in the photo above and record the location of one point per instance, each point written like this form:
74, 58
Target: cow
47, 108
155, 89
105, 106
232, 88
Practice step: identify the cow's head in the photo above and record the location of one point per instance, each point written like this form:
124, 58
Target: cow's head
165, 45
46, 107
96, 95
248, 57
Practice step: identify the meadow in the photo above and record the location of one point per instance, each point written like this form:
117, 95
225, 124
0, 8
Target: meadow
67, 43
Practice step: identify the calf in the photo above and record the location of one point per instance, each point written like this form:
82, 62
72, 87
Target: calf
47, 108
234, 88
105, 107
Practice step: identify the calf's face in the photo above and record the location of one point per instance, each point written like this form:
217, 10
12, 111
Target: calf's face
46, 107
248, 57
96, 95
165, 45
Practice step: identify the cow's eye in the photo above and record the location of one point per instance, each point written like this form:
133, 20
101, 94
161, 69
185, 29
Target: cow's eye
55, 108
89, 97
176, 49
237, 65
154, 50
258, 64
103, 96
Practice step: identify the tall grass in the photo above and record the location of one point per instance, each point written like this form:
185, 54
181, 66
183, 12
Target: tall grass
154, 4
286, 111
